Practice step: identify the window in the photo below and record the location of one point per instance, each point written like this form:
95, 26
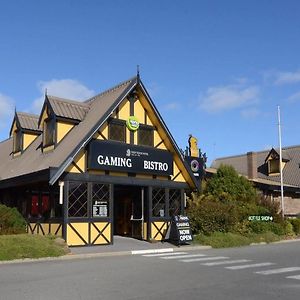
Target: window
18, 141
49, 132
274, 166
117, 131
78, 200
174, 202
158, 202
100, 200
146, 136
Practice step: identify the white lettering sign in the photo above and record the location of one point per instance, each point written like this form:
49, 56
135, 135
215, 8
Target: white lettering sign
114, 161
155, 165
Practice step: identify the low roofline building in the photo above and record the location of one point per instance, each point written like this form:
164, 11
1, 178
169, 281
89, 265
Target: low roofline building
263, 169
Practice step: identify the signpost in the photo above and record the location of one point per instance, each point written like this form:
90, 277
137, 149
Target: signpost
179, 231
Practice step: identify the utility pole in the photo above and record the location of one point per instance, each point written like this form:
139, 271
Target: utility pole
280, 162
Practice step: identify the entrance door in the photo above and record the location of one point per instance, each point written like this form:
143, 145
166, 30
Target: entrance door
129, 210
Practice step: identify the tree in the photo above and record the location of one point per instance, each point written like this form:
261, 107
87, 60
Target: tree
228, 185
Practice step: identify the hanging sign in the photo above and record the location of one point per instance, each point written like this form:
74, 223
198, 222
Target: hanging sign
116, 156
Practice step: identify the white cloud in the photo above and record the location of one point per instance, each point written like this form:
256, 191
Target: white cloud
172, 106
250, 113
276, 77
64, 88
295, 97
6, 110
217, 99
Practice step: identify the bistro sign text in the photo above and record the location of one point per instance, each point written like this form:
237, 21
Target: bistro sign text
115, 156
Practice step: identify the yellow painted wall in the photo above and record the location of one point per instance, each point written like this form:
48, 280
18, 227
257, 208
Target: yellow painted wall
14, 128
104, 131
62, 130
124, 110
48, 228
44, 115
139, 111
28, 138
154, 231
80, 160
176, 170
72, 237
94, 233
157, 140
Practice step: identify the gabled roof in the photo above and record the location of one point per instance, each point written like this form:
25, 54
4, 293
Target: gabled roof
291, 170
275, 155
92, 113
68, 108
26, 121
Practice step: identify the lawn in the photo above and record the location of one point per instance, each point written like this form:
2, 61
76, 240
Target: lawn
21, 246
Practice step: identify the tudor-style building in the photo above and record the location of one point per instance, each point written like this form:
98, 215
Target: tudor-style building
263, 170
90, 170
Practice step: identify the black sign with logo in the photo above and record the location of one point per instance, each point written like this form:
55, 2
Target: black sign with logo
180, 231
197, 165
116, 156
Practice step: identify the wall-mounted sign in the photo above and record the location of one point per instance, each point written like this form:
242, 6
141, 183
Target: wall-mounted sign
132, 123
197, 165
100, 209
260, 218
116, 156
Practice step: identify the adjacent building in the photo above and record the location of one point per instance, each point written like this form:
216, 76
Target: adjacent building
263, 169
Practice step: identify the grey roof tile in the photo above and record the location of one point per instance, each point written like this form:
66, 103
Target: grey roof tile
28, 121
68, 108
291, 171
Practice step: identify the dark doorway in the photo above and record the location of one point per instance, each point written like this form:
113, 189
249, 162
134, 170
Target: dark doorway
129, 211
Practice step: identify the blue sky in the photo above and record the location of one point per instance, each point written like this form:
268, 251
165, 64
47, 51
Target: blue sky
215, 69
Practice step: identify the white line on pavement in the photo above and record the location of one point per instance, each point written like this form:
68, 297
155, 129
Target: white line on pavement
148, 251
250, 266
294, 277
182, 256
227, 262
204, 259
162, 254
278, 271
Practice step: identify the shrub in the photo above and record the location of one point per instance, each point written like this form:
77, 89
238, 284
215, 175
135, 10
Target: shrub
208, 215
296, 225
11, 221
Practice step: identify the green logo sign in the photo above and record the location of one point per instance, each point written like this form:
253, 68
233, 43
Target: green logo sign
132, 123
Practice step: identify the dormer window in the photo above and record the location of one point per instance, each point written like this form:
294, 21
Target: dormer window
24, 131
273, 161
274, 166
18, 141
49, 132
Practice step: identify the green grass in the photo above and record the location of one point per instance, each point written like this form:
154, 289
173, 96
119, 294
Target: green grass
226, 240
30, 246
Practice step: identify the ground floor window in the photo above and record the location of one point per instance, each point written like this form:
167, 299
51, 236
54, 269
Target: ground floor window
158, 202
88, 200
78, 199
174, 202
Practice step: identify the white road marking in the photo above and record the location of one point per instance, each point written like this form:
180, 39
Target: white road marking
227, 262
149, 251
204, 259
278, 271
162, 254
294, 277
250, 266
182, 256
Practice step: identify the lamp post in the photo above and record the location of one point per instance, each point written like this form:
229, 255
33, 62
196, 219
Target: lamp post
280, 163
